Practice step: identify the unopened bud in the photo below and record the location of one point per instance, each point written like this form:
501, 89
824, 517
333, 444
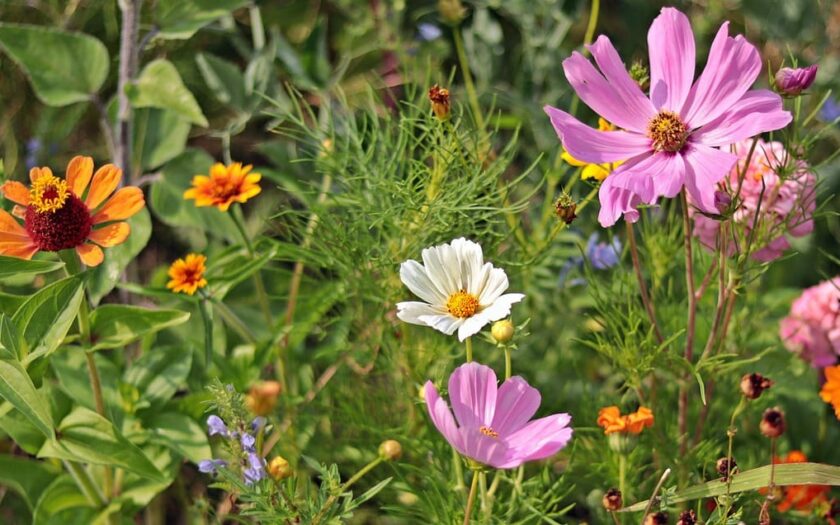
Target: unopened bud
752, 385
452, 11
722, 201
262, 397
639, 73
390, 450
439, 98
687, 517
790, 82
772, 423
502, 331
612, 500
726, 467
657, 518
565, 208
279, 468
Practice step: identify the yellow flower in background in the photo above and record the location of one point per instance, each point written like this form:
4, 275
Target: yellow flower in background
224, 186
187, 274
598, 172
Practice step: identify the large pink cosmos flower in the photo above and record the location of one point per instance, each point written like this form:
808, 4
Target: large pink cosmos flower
492, 424
812, 329
670, 140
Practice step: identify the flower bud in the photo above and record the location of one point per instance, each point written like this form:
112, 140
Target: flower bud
612, 500
725, 467
390, 450
640, 74
657, 518
722, 201
772, 423
262, 397
752, 385
565, 208
687, 517
790, 82
440, 101
279, 468
452, 11
502, 331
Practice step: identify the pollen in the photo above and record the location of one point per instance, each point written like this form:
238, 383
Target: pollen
668, 131
462, 304
48, 194
489, 432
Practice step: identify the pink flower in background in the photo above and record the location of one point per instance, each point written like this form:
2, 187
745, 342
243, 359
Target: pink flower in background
812, 329
492, 424
670, 140
793, 81
787, 205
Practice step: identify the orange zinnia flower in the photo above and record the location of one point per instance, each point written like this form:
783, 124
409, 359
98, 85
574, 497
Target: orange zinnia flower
799, 497
611, 420
187, 274
224, 186
63, 214
830, 392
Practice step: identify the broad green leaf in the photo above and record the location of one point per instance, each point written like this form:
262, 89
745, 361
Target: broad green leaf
159, 136
104, 277
14, 267
45, 318
10, 303
180, 19
87, 437
160, 373
160, 86
64, 67
159, 293
16, 386
70, 367
114, 326
9, 339
21, 430
182, 434
27, 477
58, 499
223, 78
784, 474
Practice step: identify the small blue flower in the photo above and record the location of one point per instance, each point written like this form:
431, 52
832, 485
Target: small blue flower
211, 466
830, 110
602, 255
217, 426
248, 442
257, 423
256, 468
429, 32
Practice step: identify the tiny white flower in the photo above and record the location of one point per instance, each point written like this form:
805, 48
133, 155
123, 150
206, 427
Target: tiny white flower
459, 290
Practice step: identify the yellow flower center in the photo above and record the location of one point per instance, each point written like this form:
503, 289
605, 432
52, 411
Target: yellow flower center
667, 131
48, 194
462, 304
489, 432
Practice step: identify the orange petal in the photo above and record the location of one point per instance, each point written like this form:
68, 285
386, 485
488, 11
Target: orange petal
8, 224
90, 254
37, 173
105, 181
79, 171
125, 203
19, 212
21, 250
16, 192
110, 235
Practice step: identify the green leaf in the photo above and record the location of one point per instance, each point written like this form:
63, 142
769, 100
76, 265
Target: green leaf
10, 303
180, 19
104, 277
21, 430
159, 136
60, 496
64, 67
182, 434
45, 318
87, 437
159, 374
114, 326
223, 78
160, 86
27, 477
784, 474
14, 267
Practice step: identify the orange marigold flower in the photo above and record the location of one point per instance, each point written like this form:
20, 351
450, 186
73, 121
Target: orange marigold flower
611, 420
262, 397
799, 497
78, 212
187, 274
830, 392
224, 186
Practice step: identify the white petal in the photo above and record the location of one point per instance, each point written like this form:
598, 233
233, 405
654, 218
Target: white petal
411, 311
442, 267
497, 283
501, 306
470, 259
414, 276
472, 325
442, 322
478, 281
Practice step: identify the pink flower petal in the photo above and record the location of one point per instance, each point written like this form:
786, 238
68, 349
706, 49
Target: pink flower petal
442, 417
516, 403
672, 56
617, 201
659, 175
590, 145
733, 66
704, 168
605, 98
630, 94
756, 112
472, 393
484, 449
539, 439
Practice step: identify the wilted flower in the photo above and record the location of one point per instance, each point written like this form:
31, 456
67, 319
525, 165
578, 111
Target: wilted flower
439, 98
830, 392
611, 420
390, 450
224, 186
78, 212
793, 81
786, 205
753, 385
726, 466
279, 468
657, 518
459, 290
772, 423
262, 397
811, 329
565, 208
687, 517
598, 172
671, 140
492, 424
612, 500
187, 275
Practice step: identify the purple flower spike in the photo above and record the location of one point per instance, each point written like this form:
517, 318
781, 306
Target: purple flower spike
215, 426
211, 466
492, 425
248, 442
791, 82
258, 422
255, 470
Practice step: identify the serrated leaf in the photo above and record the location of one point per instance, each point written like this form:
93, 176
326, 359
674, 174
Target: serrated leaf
14, 267
160, 86
45, 318
64, 67
180, 19
104, 277
159, 374
114, 326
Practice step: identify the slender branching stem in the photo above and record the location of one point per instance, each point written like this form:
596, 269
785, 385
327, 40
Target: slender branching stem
643, 290
682, 417
656, 489
262, 295
127, 70
85, 483
346, 486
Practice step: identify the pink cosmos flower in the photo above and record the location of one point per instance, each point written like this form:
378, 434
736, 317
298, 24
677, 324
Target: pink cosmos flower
787, 205
671, 139
492, 424
791, 82
812, 329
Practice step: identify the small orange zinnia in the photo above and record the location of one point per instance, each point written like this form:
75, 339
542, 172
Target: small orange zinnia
224, 186
830, 392
611, 420
60, 214
187, 274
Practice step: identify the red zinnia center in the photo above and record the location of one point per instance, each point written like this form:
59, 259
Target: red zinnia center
66, 227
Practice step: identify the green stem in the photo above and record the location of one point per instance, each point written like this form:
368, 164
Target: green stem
341, 490
207, 320
508, 368
468, 342
458, 468
472, 94
486, 511
234, 322
622, 475
85, 483
730, 433
682, 417
471, 498
643, 290
262, 295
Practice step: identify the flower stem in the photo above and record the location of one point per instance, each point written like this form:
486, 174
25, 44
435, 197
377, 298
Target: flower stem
730, 433
471, 498
341, 490
655, 492
643, 291
622, 474
262, 296
468, 342
682, 418
472, 94
234, 321
508, 368
207, 320
85, 483
486, 511
458, 468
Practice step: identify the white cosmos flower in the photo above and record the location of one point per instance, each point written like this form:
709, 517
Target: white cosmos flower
459, 290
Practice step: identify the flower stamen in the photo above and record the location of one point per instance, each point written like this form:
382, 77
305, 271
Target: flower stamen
489, 432
48, 194
668, 131
462, 304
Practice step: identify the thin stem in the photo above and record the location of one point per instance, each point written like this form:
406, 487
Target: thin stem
655, 492
468, 343
682, 418
471, 498
472, 94
95, 382
234, 321
637, 266
486, 511
85, 483
207, 320
721, 298
622, 474
262, 295
458, 468
341, 490
127, 70
508, 369
730, 433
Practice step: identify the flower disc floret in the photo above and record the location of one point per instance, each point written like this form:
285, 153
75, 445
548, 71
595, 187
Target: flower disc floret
667, 131
61, 228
